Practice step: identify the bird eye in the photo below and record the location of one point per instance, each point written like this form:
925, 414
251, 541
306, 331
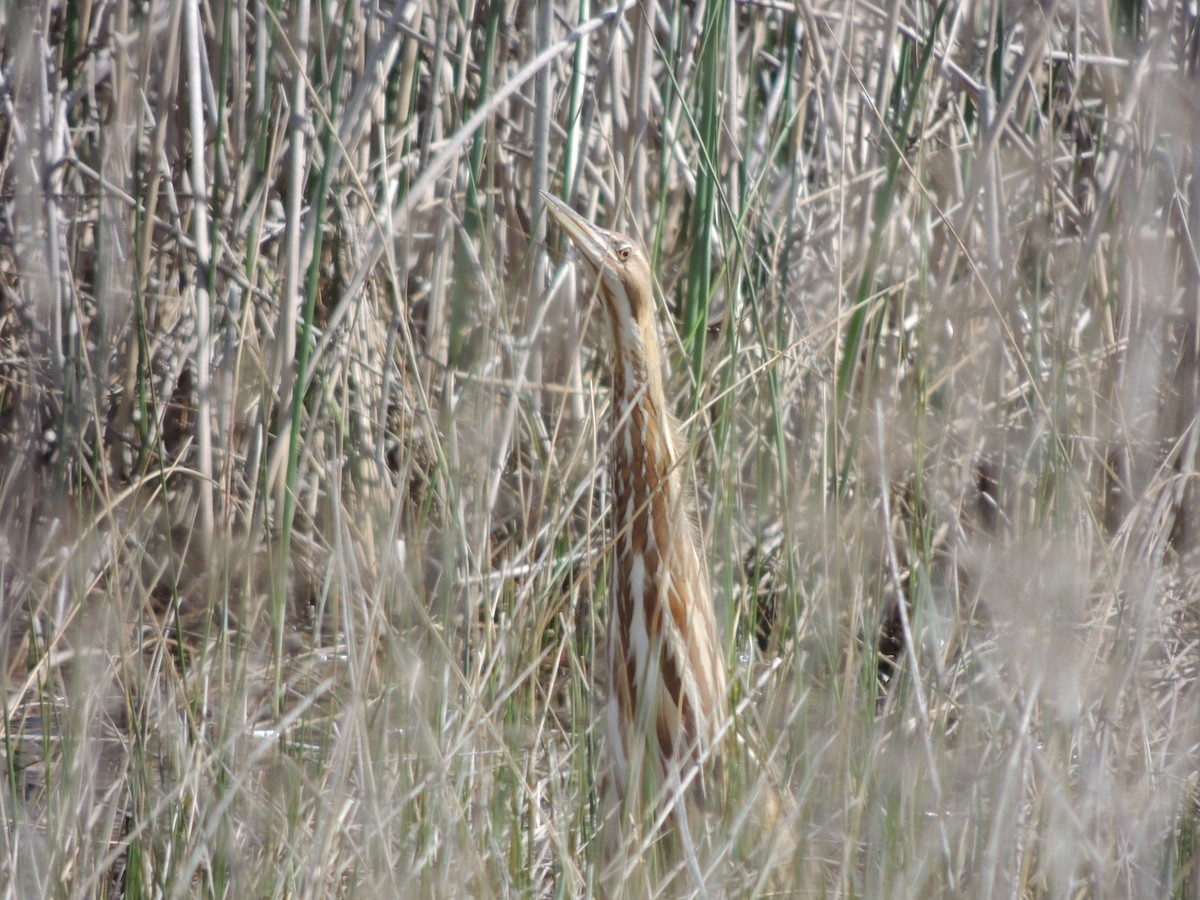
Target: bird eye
624, 253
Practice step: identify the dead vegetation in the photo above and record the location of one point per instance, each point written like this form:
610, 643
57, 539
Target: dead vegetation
302, 542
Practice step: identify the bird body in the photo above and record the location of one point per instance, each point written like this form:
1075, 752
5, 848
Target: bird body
666, 679
667, 704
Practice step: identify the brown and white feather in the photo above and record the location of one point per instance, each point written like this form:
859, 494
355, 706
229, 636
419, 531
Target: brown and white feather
667, 699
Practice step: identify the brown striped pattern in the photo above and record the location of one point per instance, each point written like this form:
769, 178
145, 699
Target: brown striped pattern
671, 700
667, 699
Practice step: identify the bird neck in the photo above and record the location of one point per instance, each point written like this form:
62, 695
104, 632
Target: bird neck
644, 428
646, 453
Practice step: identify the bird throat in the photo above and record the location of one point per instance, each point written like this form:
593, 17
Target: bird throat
646, 480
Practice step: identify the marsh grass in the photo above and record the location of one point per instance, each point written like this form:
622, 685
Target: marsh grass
303, 438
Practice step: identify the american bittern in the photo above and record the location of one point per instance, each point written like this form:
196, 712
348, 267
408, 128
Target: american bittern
667, 700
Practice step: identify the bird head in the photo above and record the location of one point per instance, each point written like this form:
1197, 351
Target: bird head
620, 270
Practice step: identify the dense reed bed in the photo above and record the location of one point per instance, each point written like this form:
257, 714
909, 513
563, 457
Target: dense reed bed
303, 436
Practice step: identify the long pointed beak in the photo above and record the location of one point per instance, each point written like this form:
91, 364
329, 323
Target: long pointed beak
591, 241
